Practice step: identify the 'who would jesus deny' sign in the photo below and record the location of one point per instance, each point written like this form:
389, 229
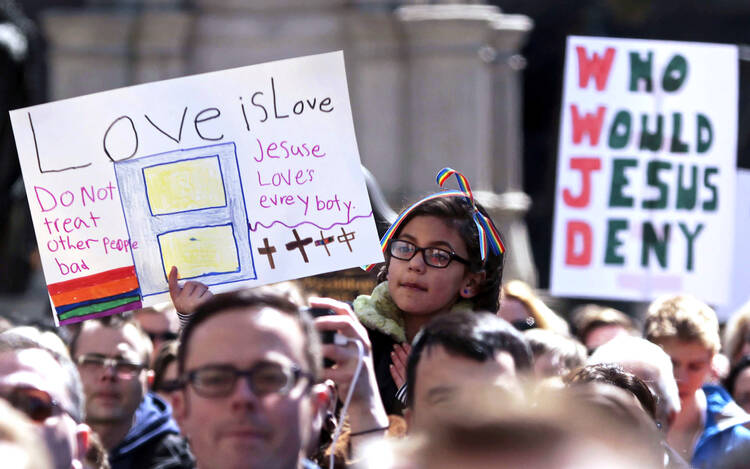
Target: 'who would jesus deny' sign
646, 170
238, 178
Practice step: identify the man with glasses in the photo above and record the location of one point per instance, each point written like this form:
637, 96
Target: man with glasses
135, 427
249, 363
45, 386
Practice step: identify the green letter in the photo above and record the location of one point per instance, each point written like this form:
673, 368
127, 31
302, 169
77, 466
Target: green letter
651, 141
619, 181
686, 196
611, 256
690, 238
713, 204
618, 137
675, 73
652, 179
677, 145
704, 128
640, 70
651, 241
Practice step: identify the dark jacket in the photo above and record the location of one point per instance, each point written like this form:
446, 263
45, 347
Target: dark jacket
382, 346
154, 441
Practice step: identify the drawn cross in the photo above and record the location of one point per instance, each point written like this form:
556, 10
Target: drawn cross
267, 250
299, 244
323, 241
346, 237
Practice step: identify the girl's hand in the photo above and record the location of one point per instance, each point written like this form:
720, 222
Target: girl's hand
188, 297
399, 359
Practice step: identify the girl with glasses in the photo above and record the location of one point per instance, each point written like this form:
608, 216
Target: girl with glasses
442, 254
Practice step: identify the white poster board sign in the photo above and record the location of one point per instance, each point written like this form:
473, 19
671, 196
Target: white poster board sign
646, 170
238, 178
740, 279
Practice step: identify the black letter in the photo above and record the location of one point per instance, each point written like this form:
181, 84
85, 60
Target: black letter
135, 134
198, 120
275, 113
39, 161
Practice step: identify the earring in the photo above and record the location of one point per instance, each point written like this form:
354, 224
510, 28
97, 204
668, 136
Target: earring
466, 291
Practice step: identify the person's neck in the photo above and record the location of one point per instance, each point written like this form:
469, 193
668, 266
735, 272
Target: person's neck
111, 433
414, 322
688, 424
690, 415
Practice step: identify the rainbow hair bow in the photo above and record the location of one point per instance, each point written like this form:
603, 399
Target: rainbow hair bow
488, 234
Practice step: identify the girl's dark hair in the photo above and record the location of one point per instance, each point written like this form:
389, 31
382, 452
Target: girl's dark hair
458, 212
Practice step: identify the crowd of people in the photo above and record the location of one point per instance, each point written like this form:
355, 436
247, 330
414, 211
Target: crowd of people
443, 365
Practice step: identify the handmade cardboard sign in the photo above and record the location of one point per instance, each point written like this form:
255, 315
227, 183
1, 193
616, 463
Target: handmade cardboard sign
238, 178
646, 170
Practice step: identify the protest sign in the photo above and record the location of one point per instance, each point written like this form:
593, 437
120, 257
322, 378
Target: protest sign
646, 170
740, 277
238, 178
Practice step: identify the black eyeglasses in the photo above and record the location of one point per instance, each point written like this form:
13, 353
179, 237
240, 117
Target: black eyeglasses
264, 378
434, 257
38, 405
94, 363
162, 336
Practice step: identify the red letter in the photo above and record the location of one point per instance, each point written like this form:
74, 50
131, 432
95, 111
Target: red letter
573, 230
588, 124
597, 66
586, 166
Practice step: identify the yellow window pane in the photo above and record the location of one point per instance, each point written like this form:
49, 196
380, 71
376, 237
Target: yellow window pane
200, 251
185, 185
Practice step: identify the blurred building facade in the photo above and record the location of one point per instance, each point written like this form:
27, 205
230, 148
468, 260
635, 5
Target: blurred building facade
431, 85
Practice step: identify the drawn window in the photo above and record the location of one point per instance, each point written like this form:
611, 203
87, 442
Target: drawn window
200, 251
186, 185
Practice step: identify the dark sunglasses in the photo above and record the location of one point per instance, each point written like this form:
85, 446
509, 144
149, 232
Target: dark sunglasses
38, 405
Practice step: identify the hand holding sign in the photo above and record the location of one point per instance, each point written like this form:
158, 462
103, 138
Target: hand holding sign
188, 297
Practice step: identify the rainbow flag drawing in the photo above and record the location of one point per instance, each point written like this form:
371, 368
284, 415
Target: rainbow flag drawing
102, 294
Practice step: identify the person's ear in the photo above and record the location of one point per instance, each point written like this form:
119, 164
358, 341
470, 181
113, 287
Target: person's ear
150, 378
179, 406
83, 440
472, 284
409, 417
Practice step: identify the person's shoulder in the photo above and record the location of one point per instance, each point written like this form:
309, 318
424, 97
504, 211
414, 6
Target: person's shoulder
168, 451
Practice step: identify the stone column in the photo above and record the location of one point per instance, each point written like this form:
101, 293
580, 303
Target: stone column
100, 47
464, 111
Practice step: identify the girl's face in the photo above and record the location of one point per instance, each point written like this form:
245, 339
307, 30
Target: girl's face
691, 362
420, 289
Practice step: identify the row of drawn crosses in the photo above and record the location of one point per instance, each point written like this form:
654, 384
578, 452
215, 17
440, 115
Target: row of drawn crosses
299, 243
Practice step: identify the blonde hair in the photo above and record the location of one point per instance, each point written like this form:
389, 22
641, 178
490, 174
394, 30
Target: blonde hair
735, 332
682, 317
544, 317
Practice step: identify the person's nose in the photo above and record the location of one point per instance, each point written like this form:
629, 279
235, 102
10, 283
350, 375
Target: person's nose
109, 372
243, 395
417, 262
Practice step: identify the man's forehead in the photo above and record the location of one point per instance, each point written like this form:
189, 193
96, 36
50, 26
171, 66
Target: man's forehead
35, 368
98, 338
247, 333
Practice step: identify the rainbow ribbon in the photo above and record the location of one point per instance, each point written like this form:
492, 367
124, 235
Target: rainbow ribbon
488, 234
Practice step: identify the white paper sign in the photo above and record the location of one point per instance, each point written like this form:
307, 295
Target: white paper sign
740, 278
646, 170
239, 178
